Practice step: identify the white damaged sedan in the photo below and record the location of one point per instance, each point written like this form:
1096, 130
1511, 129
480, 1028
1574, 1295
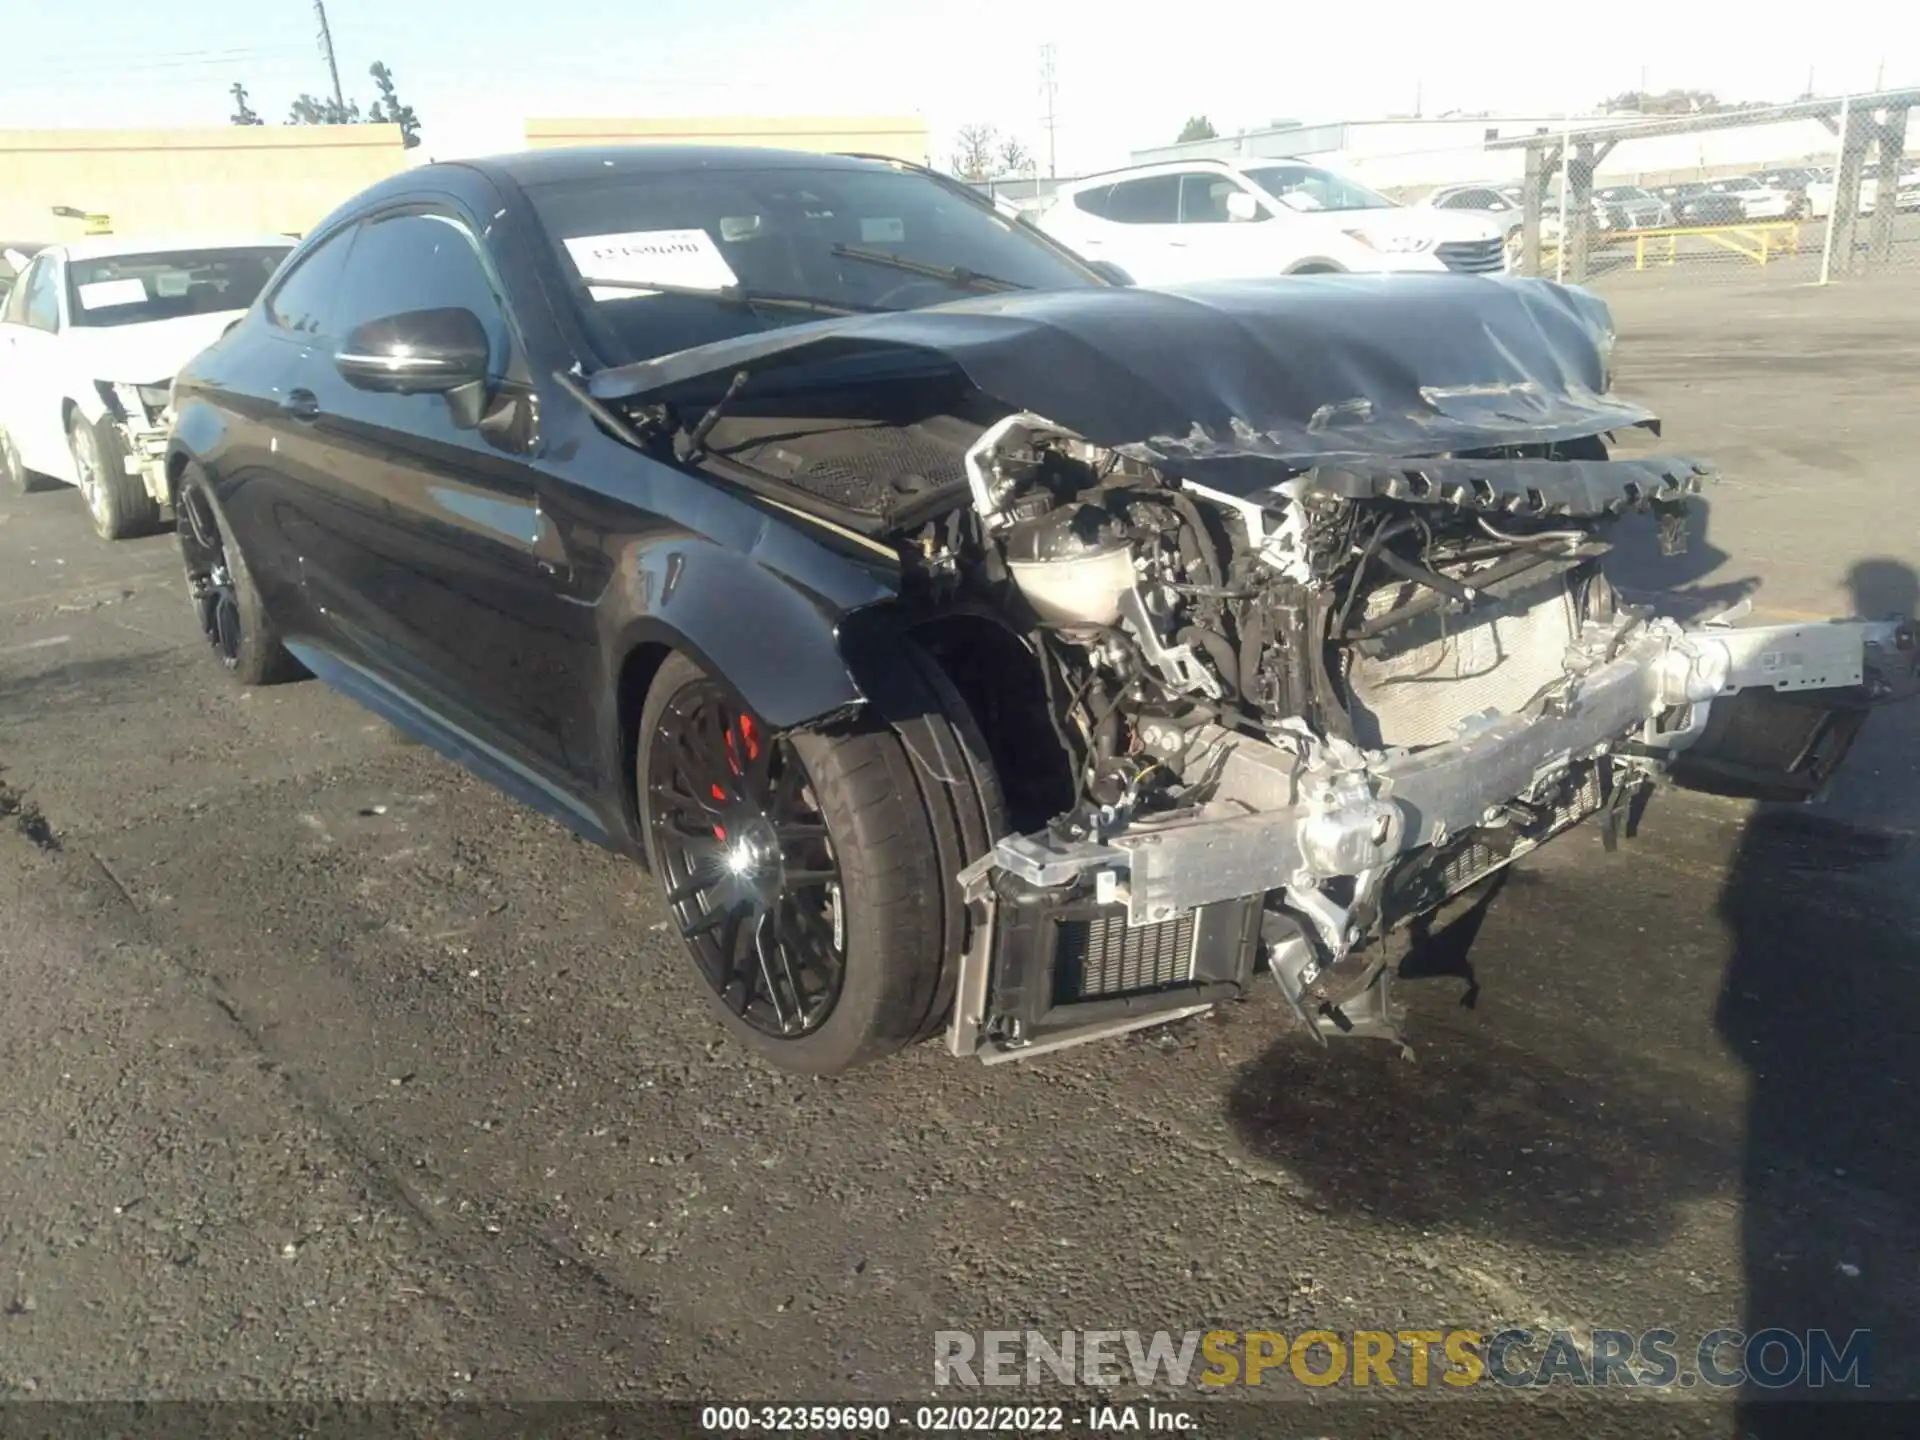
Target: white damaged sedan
91, 336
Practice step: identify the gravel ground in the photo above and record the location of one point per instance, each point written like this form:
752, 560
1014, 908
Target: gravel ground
327, 1072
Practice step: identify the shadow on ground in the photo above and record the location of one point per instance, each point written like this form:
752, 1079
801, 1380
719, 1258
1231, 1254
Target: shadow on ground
1480, 1133
1821, 1004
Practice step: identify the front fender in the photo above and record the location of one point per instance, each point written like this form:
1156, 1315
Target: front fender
772, 638
197, 430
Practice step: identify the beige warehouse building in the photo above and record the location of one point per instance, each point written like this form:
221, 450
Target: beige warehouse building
256, 177
284, 178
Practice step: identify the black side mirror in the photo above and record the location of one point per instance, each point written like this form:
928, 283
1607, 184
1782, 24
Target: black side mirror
1110, 272
420, 352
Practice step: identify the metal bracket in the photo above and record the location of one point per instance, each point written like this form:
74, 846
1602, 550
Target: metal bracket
1174, 662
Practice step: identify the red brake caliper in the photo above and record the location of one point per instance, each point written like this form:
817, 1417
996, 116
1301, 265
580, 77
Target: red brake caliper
752, 744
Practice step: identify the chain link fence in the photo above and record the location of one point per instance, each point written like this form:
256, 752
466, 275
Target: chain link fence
1820, 191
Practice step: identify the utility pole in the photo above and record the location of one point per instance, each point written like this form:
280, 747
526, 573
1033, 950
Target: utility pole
333, 68
1048, 88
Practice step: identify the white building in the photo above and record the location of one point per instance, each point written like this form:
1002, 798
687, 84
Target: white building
1415, 155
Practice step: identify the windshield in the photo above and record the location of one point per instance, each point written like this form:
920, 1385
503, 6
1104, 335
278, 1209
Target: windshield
134, 289
1308, 187
848, 239
1617, 193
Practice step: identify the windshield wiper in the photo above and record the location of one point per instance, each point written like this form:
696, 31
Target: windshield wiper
952, 274
737, 295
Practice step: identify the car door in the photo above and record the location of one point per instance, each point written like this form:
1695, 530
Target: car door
430, 553
32, 374
1217, 245
1138, 225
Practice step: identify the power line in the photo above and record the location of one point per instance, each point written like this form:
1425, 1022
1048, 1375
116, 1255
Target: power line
1049, 88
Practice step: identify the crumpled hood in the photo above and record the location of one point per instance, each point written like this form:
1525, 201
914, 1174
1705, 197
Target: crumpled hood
1209, 377
148, 354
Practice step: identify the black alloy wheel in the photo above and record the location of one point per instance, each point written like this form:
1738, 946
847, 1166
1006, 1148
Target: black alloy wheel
749, 869
226, 602
216, 599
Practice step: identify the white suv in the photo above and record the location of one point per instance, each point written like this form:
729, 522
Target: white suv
1221, 220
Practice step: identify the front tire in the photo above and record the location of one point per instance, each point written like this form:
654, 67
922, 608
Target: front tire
226, 602
811, 873
117, 501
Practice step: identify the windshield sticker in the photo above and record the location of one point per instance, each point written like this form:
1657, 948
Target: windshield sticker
668, 257
882, 232
99, 294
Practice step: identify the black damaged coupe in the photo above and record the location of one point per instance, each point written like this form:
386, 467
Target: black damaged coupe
963, 637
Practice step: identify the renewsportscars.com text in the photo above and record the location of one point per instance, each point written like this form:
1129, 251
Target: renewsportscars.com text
1454, 1358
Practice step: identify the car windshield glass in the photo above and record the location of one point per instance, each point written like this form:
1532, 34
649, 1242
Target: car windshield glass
1308, 187
842, 238
164, 285
1618, 193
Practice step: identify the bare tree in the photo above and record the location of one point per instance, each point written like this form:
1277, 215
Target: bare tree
1014, 157
973, 155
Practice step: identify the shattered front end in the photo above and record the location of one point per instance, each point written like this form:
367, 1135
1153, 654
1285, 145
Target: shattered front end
1281, 606
142, 416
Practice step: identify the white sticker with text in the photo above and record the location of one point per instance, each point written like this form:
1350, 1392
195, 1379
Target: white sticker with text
665, 257
99, 294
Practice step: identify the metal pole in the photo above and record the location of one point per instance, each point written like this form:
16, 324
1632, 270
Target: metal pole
333, 69
1048, 84
1566, 183
1833, 206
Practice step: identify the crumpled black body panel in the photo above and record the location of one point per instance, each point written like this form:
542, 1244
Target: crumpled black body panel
1205, 378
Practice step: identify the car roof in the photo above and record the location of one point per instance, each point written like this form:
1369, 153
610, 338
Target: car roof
576, 162
103, 247
1161, 167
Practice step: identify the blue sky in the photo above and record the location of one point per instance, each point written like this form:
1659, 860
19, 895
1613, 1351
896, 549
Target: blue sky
1127, 75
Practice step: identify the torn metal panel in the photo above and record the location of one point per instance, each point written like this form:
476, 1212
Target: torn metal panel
1206, 378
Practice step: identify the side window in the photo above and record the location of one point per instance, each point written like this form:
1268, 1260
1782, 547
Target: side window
419, 262
1094, 202
1154, 200
303, 302
42, 305
1203, 199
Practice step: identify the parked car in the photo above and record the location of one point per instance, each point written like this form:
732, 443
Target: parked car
90, 338
1211, 219
966, 641
1794, 179
1694, 202
1820, 194
1629, 207
1501, 205
1758, 200
15, 256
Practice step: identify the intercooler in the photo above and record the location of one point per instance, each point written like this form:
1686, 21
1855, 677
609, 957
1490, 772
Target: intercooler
1412, 685
1103, 955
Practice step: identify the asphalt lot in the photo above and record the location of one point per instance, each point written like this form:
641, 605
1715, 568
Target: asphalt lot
326, 1071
